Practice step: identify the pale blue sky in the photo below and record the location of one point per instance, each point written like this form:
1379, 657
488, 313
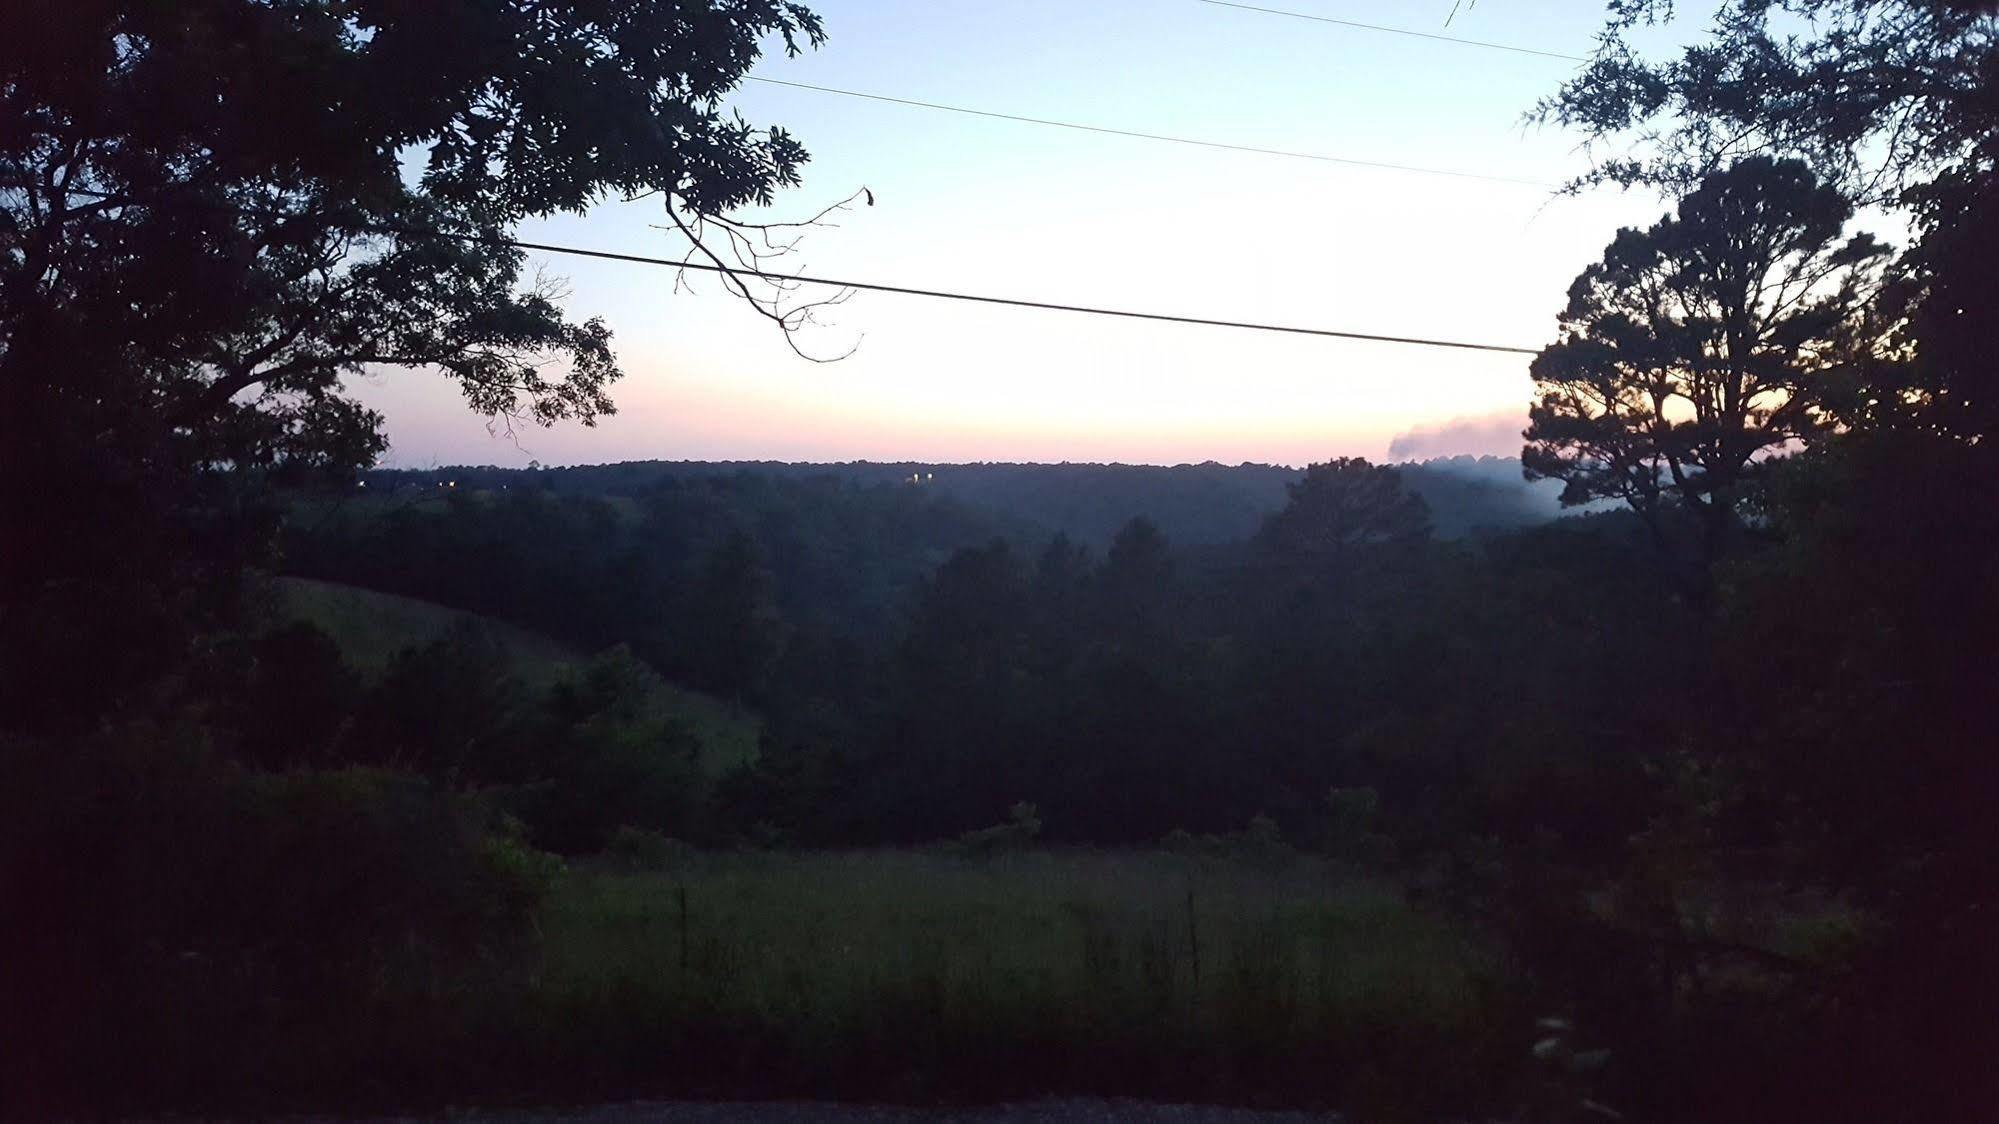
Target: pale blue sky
1020, 210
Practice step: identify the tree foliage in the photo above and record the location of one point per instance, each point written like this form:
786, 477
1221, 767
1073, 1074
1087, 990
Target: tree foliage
264, 180
736, 627
213, 212
1881, 97
1891, 102
1343, 506
1730, 330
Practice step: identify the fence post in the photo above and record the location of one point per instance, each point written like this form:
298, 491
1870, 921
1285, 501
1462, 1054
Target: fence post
1194, 939
681, 893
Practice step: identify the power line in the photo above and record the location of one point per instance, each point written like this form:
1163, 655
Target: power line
904, 290
1014, 302
1106, 130
1397, 31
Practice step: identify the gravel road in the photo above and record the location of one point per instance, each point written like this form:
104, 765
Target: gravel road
1079, 1111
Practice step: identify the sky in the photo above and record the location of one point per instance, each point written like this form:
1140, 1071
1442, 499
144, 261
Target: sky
1018, 210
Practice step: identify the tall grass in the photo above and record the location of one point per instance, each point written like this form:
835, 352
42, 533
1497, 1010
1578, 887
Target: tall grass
920, 975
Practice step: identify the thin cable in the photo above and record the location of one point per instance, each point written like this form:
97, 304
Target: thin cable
1397, 31
1013, 302
1149, 136
905, 290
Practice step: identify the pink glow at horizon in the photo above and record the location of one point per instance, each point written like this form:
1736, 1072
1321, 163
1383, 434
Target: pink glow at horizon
716, 423
1000, 208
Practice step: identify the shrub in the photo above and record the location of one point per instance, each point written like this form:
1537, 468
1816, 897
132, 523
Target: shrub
1023, 824
1350, 831
639, 849
599, 757
1260, 843
205, 936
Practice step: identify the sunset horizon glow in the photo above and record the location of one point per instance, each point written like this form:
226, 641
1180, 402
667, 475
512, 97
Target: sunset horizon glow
1013, 210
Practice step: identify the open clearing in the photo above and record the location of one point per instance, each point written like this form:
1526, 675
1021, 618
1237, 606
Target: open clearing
918, 977
371, 627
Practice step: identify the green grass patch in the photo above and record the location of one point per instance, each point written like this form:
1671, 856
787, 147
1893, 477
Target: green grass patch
918, 975
371, 627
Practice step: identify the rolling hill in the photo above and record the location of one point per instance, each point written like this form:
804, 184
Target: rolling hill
371, 627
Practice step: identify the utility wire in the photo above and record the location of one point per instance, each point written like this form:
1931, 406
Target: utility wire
944, 294
1397, 31
1149, 136
905, 290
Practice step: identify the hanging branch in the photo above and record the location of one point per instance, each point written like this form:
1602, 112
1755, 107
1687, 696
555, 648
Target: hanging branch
741, 252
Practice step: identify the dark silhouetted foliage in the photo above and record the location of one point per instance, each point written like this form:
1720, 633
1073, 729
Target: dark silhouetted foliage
1678, 808
1696, 347
206, 223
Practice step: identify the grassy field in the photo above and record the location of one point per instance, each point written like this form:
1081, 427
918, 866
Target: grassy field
371, 627
915, 975
1267, 978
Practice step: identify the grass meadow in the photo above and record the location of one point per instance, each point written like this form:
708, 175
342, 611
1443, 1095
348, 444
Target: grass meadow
929, 976
370, 627
990, 972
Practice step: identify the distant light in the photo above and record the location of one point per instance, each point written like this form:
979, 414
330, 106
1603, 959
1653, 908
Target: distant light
362, 484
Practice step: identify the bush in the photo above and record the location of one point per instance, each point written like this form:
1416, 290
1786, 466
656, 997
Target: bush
205, 936
449, 709
1350, 832
599, 757
294, 701
639, 849
1023, 824
1259, 843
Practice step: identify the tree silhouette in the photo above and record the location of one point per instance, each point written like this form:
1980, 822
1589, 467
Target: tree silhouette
1894, 102
1340, 506
238, 167
1711, 339
735, 619
1881, 97
211, 212
1134, 586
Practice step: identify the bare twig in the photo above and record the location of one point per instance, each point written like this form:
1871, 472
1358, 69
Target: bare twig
739, 252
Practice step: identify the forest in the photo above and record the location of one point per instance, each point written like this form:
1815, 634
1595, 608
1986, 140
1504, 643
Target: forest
1646, 776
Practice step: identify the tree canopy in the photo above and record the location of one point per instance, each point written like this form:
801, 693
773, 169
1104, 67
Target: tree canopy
266, 177
1885, 98
212, 212
1343, 505
1891, 102
1729, 330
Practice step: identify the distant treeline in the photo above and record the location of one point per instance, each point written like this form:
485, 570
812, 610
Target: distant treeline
924, 661
1192, 504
